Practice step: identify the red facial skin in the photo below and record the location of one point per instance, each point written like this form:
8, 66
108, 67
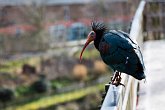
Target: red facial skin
91, 37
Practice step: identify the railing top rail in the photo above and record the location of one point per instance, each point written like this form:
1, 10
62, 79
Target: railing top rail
136, 24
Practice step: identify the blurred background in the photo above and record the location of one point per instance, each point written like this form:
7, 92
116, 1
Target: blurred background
40, 43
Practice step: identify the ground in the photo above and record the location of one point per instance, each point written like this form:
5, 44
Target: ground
152, 93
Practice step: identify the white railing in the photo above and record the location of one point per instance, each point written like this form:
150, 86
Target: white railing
120, 98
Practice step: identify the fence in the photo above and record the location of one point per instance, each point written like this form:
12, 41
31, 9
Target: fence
120, 98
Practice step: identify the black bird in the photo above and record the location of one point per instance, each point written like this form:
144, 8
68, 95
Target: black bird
117, 50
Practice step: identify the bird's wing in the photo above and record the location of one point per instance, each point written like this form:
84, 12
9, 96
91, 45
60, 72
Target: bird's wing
124, 39
137, 49
126, 43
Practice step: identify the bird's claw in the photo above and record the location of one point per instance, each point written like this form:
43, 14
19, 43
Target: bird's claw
116, 80
117, 84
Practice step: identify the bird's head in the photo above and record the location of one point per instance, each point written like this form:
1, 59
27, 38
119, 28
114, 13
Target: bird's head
98, 28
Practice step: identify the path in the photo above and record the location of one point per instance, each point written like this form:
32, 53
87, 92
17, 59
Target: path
152, 93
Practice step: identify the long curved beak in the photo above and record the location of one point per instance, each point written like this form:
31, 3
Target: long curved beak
86, 44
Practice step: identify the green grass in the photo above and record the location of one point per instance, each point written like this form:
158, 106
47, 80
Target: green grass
56, 99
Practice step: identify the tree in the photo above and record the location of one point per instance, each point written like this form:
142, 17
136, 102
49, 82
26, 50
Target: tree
34, 15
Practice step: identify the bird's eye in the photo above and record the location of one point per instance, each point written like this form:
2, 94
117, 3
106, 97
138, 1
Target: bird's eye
92, 34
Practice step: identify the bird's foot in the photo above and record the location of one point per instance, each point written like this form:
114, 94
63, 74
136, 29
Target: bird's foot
117, 84
116, 79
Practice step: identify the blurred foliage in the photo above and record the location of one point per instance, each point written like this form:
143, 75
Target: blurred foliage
89, 102
64, 88
89, 53
6, 95
60, 98
92, 100
57, 85
60, 82
68, 106
13, 66
80, 72
40, 86
22, 90
100, 67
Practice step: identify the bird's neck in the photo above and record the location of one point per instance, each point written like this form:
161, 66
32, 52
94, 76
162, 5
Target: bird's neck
97, 40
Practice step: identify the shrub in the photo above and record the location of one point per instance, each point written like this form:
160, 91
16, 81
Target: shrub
40, 86
80, 71
22, 90
28, 69
99, 67
6, 95
56, 85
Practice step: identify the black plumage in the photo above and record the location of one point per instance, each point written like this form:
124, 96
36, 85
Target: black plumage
121, 53
117, 50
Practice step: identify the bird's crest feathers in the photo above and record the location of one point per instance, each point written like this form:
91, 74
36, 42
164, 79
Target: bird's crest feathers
98, 27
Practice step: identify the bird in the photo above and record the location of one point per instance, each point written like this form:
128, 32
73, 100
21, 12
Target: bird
117, 50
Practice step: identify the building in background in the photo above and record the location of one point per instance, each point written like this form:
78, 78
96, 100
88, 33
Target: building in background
13, 11
40, 22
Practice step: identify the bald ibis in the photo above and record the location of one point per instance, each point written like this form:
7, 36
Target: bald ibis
117, 50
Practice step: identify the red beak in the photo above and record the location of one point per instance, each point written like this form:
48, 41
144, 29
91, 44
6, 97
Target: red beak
90, 39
